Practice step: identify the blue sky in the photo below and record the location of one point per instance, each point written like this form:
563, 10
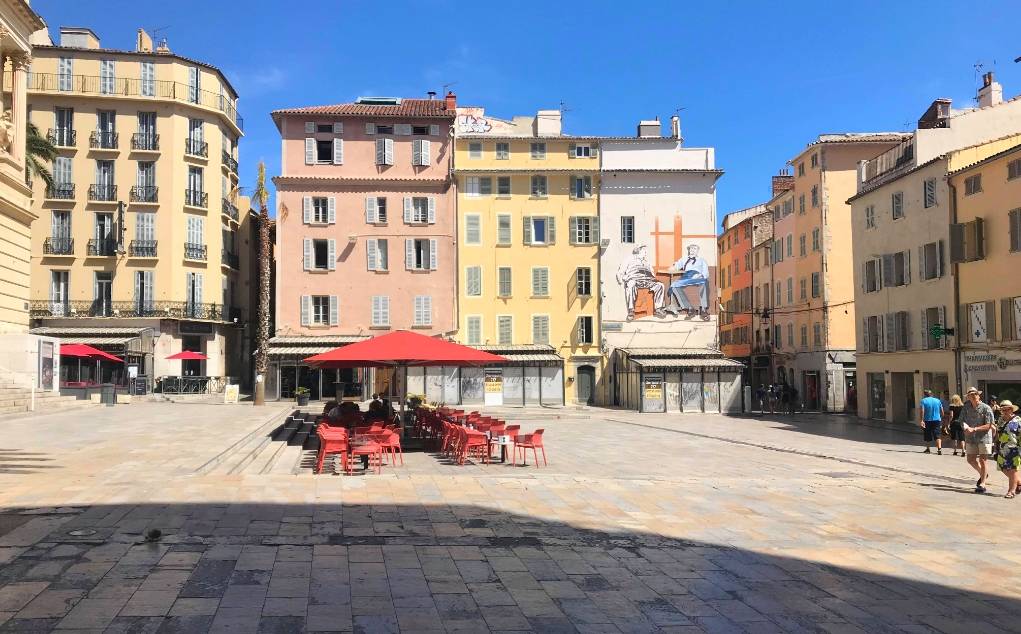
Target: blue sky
756, 80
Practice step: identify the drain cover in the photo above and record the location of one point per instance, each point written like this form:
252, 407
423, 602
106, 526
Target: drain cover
82, 532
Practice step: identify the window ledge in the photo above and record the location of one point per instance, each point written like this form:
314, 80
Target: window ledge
379, 327
384, 271
540, 297
421, 326
317, 271
319, 224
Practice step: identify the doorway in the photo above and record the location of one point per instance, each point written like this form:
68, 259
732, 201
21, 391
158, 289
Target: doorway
191, 367
811, 391
586, 376
877, 396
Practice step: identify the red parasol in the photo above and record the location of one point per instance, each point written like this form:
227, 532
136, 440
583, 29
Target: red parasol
82, 350
402, 348
188, 355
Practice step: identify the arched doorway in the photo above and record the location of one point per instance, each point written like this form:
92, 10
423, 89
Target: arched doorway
586, 384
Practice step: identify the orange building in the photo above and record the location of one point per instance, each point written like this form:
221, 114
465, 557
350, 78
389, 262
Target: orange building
735, 271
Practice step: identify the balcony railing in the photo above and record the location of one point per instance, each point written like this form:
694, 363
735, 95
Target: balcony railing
194, 251
142, 308
888, 164
62, 137
195, 198
100, 140
230, 210
145, 194
230, 161
102, 247
229, 259
196, 148
127, 87
60, 191
58, 246
150, 142
142, 248
106, 193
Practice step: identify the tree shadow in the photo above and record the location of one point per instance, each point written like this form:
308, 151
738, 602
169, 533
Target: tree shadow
20, 461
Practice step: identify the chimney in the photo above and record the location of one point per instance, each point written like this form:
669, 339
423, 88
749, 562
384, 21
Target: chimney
162, 48
78, 37
649, 129
547, 123
991, 92
143, 43
936, 115
783, 182
432, 94
675, 127
451, 100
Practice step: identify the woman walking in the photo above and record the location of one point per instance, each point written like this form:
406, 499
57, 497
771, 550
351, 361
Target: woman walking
1008, 456
956, 428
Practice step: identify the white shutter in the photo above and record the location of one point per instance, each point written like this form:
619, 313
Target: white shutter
427, 310
147, 289
338, 127
416, 152
306, 309
310, 127
572, 228
425, 152
331, 254
388, 145
384, 309
307, 242
409, 254
434, 130
403, 129
432, 210
432, 254
338, 151
380, 151
407, 210
334, 310
310, 151
331, 210
371, 210
306, 209
527, 230
370, 128
372, 254
198, 288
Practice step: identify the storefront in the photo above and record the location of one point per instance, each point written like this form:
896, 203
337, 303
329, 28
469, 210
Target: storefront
133, 345
996, 372
287, 371
677, 380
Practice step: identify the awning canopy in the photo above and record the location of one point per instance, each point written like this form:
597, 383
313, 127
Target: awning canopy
689, 364
187, 355
81, 350
402, 348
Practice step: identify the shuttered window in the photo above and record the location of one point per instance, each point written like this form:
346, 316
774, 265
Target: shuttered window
421, 152
473, 229
540, 329
930, 265
148, 87
503, 229
504, 281
423, 310
1014, 216
106, 75
967, 241
540, 282
377, 254
585, 330
929, 193
380, 310
473, 281
897, 205
64, 73
473, 324
505, 330
384, 151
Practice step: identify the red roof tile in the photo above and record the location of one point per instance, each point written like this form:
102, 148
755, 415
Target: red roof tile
407, 108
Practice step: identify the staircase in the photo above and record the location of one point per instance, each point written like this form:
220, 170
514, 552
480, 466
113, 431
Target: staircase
286, 448
15, 400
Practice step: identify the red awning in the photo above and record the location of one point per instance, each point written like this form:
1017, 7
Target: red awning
402, 347
82, 350
188, 355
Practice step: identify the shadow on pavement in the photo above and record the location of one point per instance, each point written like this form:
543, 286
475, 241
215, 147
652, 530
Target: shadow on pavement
19, 461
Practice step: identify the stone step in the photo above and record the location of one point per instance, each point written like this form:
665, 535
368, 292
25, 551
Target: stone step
235, 458
264, 462
286, 460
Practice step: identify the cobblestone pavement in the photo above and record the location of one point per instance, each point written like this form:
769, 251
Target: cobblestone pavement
640, 523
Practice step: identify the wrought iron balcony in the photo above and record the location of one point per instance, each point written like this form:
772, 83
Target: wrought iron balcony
146, 142
230, 161
58, 246
60, 191
229, 259
193, 251
100, 140
62, 137
230, 210
196, 148
142, 248
144, 194
195, 198
135, 308
103, 193
102, 247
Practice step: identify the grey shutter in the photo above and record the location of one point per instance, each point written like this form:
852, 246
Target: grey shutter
403, 129
416, 152
198, 288
939, 261
434, 130
942, 316
957, 243
334, 310
371, 210
963, 324
306, 209
409, 254
907, 267
310, 127
527, 230
306, 309
1015, 230
906, 329
921, 262
571, 150
310, 151
587, 186
865, 334
980, 239
925, 329
593, 150
890, 330
147, 287
594, 224
889, 277
331, 254
338, 151
432, 254
331, 210
426, 152
338, 127
551, 230
1007, 319
307, 242
432, 210
991, 321
572, 193
407, 210
380, 151
572, 232
371, 254
370, 128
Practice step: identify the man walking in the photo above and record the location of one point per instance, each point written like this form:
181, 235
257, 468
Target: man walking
977, 418
931, 421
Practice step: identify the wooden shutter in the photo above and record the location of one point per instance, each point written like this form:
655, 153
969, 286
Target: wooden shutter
331, 210
371, 254
434, 130
380, 151
384, 309
403, 129
939, 258
310, 151
991, 321
527, 230
432, 254
307, 242
306, 209
338, 151
147, 286
1015, 229
426, 152
432, 210
573, 192
572, 222
388, 146
889, 277
306, 309
942, 317
594, 229
370, 128
593, 150
963, 324
371, 210
427, 310
331, 254
334, 310
551, 230
409, 254
865, 334
408, 210
338, 127
926, 339
1007, 319
890, 330
907, 267
571, 149
980, 237
310, 127
957, 243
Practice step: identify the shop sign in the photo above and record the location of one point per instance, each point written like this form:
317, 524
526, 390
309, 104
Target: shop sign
653, 388
231, 393
988, 362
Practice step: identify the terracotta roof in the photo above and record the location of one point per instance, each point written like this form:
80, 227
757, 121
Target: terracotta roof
406, 108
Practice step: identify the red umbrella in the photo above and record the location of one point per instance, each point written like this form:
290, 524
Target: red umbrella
399, 348
82, 350
188, 355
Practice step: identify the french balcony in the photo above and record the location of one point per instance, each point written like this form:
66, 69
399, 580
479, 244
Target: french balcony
193, 251
230, 210
194, 147
144, 194
62, 137
103, 193
58, 246
135, 308
142, 248
103, 247
60, 191
230, 162
145, 142
100, 140
230, 259
195, 198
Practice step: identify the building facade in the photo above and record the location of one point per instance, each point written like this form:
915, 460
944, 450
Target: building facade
736, 292
128, 236
762, 285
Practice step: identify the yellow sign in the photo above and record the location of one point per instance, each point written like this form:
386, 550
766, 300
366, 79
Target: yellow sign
653, 392
494, 384
231, 393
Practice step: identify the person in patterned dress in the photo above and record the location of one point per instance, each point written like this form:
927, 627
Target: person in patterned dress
1008, 457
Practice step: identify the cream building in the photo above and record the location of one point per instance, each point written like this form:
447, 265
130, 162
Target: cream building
128, 250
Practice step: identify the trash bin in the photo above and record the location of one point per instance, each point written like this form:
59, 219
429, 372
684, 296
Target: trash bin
108, 394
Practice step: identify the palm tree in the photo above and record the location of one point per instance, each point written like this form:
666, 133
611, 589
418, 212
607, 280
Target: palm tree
38, 152
261, 196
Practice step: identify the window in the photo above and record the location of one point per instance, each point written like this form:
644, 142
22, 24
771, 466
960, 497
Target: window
929, 193
873, 281
473, 281
503, 280
973, 185
777, 336
584, 230
801, 204
1010, 318
384, 129
422, 130
897, 269
779, 293
815, 160
816, 240
106, 73
967, 241
817, 335
803, 288
790, 335
419, 210
539, 230
540, 282
472, 187
583, 281
194, 84
473, 229
897, 205
801, 169
931, 265
421, 152
1014, 169
801, 246
502, 151
540, 329
380, 310
815, 285
538, 150
790, 245
539, 186
473, 324
384, 151
320, 210
585, 331
377, 254
475, 150
143, 291
788, 207
790, 290
320, 310
873, 334
64, 73
581, 187
1014, 217
375, 210
486, 186
503, 229
503, 186
195, 230
504, 329
815, 195
933, 316
148, 85
320, 255
804, 336
870, 217
423, 310
581, 150
420, 254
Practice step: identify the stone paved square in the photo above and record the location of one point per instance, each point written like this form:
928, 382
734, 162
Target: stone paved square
640, 523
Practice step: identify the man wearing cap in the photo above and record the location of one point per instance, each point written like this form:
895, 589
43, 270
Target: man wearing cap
977, 418
931, 420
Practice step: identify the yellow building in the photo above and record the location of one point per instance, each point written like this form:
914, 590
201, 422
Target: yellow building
135, 244
528, 253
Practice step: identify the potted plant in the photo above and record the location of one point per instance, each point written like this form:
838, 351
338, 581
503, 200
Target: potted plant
415, 400
301, 394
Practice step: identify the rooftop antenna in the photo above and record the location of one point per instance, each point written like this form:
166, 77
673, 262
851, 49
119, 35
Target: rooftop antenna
155, 32
446, 87
563, 109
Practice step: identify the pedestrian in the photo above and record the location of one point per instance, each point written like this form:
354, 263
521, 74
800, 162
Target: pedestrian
977, 419
785, 398
1008, 455
994, 402
931, 421
794, 400
955, 428
760, 396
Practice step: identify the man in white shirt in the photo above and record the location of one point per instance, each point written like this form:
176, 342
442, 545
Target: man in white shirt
635, 273
694, 272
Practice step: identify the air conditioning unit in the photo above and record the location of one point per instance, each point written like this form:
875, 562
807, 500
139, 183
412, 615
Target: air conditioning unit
604, 242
